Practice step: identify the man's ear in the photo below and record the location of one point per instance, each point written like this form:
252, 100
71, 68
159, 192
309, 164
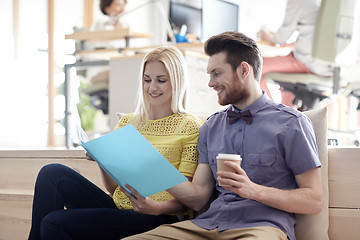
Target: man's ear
243, 70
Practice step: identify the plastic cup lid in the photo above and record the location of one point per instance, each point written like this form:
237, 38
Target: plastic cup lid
228, 156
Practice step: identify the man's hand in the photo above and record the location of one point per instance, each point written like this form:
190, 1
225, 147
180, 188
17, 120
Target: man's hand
141, 204
306, 199
238, 181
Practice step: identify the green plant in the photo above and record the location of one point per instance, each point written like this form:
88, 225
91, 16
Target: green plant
86, 111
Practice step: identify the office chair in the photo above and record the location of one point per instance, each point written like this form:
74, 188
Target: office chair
333, 33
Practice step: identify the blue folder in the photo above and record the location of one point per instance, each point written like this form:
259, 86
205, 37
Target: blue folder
129, 158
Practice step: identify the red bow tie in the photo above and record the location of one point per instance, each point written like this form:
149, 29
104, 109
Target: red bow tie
234, 116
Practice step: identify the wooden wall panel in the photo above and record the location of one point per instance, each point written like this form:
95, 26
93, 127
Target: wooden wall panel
19, 175
344, 177
344, 224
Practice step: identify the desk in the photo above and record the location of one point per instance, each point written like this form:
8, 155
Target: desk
103, 35
106, 35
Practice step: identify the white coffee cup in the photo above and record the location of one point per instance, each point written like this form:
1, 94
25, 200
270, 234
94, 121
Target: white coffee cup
222, 157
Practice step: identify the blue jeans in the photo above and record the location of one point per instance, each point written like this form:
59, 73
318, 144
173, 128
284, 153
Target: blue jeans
90, 213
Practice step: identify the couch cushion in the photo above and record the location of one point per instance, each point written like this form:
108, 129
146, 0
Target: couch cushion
315, 227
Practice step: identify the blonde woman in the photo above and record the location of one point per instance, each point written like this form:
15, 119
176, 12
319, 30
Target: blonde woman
90, 212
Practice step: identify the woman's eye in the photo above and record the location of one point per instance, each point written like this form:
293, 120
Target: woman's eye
147, 80
161, 80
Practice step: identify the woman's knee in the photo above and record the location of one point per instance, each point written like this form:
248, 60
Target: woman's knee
52, 169
53, 225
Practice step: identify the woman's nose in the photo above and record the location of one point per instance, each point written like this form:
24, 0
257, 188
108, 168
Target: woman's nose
153, 86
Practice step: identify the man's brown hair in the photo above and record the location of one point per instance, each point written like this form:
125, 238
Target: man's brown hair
238, 48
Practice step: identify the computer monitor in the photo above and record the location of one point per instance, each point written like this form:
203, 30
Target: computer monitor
186, 12
218, 16
204, 18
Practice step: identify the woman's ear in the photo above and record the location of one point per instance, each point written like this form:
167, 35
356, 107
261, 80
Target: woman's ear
243, 70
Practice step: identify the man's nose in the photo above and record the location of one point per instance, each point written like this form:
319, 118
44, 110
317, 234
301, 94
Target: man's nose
211, 83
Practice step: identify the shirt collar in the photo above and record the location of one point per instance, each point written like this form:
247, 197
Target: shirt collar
256, 106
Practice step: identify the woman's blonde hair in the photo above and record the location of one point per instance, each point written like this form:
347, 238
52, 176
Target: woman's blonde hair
175, 65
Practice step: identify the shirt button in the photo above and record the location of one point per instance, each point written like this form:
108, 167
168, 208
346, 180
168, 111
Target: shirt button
240, 130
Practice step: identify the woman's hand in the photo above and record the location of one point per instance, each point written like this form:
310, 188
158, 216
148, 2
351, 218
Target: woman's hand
88, 157
141, 204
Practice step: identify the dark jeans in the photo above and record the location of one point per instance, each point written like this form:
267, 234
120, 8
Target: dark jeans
90, 213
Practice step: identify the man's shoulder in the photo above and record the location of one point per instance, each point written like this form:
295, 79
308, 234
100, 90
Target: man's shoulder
217, 114
212, 121
281, 115
287, 110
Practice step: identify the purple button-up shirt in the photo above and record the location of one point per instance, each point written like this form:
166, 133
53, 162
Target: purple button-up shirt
276, 146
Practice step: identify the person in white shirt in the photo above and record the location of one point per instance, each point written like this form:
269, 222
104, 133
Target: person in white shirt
300, 17
113, 8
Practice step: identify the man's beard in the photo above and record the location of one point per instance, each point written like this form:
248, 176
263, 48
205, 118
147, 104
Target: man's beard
237, 94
